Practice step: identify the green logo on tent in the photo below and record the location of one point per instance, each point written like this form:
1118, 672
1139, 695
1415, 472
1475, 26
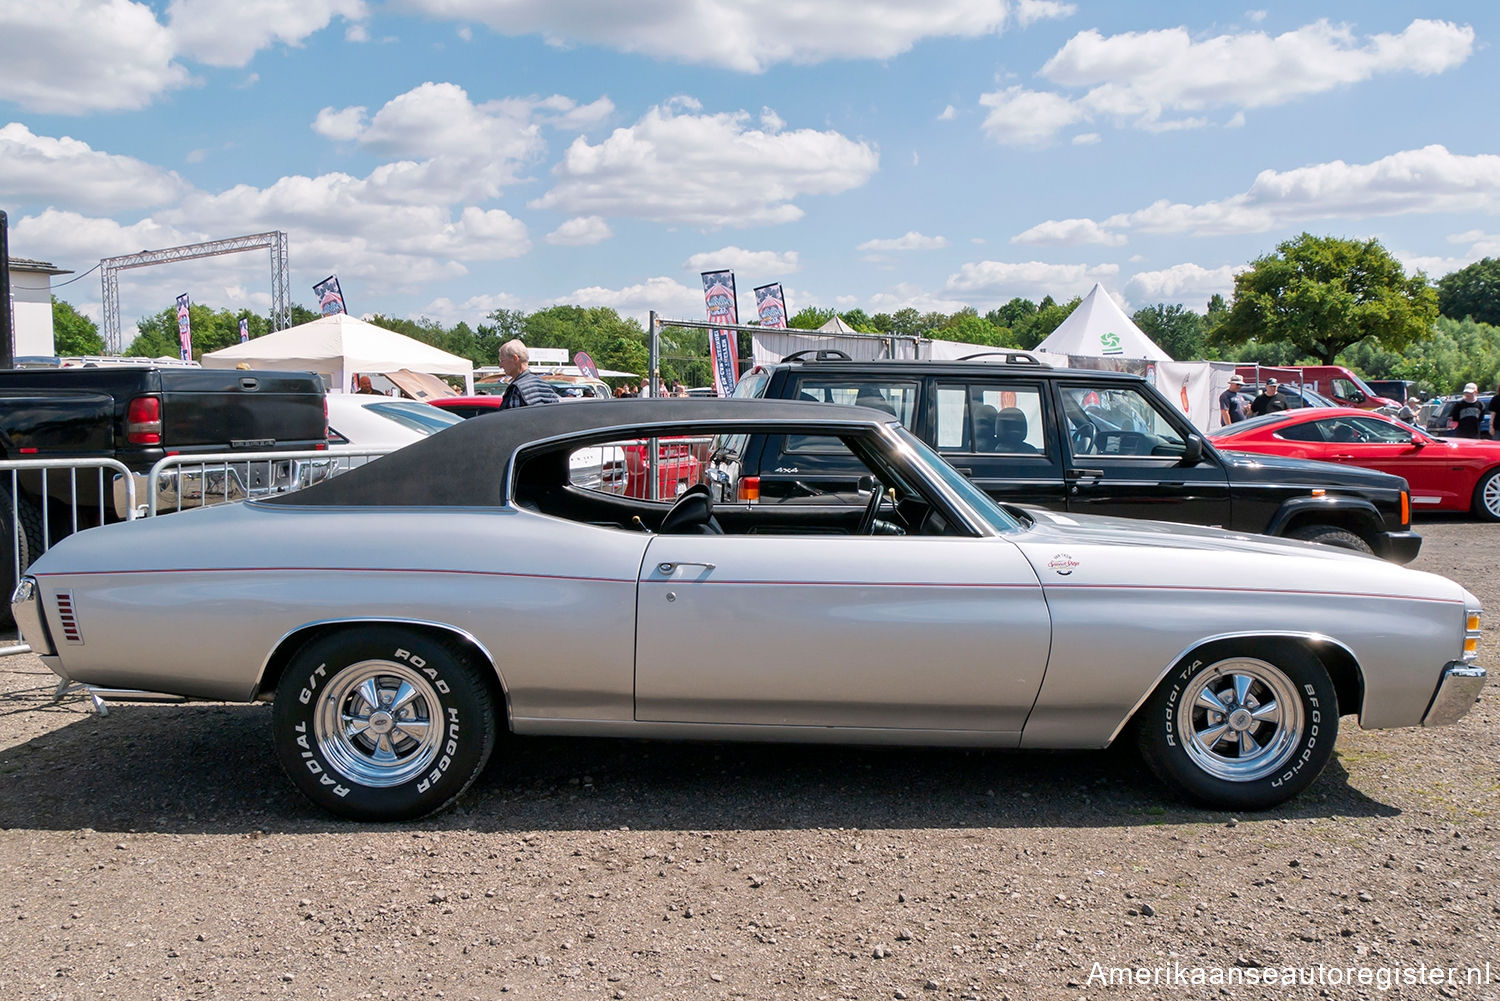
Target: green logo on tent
1111, 343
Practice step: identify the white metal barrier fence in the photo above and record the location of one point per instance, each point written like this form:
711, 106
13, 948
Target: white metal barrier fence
178, 482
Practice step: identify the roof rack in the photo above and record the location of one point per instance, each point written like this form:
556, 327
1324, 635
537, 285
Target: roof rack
1010, 358
818, 354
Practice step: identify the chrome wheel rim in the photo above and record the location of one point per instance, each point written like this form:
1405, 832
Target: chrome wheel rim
1489, 496
379, 723
1240, 720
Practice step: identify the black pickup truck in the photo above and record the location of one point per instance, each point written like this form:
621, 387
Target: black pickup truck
1070, 440
136, 415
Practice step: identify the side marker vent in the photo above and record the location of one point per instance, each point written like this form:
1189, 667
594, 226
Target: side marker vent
67, 617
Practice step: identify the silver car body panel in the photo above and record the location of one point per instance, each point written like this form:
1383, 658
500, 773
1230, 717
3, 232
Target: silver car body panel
1046, 637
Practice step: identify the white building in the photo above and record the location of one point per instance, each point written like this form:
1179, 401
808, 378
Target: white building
31, 302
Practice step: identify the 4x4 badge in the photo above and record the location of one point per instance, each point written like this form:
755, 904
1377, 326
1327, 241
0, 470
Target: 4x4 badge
1062, 564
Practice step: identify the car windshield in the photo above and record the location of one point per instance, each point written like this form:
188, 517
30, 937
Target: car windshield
421, 417
975, 498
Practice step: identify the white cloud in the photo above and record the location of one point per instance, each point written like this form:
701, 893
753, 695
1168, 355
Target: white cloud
667, 296
1481, 244
705, 170
1426, 180
1158, 80
46, 170
1069, 233
999, 281
472, 310
220, 34
948, 114
748, 35
1085, 139
340, 125
762, 262
580, 231
1189, 284
72, 57
906, 295
912, 240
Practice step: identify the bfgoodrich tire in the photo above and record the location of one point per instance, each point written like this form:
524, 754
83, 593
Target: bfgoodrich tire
1241, 726
1332, 535
383, 723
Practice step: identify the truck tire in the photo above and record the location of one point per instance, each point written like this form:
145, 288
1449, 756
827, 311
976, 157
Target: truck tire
13, 554
1332, 535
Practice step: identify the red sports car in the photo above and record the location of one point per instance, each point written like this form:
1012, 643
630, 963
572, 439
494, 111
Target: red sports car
1445, 474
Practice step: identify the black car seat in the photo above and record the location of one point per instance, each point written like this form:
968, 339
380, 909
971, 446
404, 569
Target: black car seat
691, 514
984, 428
868, 396
1010, 431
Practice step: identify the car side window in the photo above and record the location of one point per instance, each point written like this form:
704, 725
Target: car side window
1379, 431
896, 397
983, 418
1310, 431
1113, 420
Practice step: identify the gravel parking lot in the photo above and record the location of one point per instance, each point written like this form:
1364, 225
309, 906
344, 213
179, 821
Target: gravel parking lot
160, 853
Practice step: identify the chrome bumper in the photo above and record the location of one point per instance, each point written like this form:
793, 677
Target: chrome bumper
1456, 694
26, 606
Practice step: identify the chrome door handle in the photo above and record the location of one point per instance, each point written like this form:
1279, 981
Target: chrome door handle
667, 569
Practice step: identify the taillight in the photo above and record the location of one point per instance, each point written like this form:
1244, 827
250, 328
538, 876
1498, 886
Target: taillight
143, 421
749, 488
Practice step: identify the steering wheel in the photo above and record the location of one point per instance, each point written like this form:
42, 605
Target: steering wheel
872, 510
1083, 437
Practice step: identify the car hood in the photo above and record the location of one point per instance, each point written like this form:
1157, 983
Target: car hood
1093, 550
1243, 466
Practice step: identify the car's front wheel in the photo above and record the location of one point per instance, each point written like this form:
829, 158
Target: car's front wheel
1241, 727
383, 723
1487, 496
1332, 535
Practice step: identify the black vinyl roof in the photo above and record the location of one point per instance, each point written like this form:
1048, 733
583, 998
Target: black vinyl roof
468, 464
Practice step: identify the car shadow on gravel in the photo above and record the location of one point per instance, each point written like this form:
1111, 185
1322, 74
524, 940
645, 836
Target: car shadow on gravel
211, 769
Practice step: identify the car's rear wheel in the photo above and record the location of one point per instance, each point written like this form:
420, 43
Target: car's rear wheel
385, 723
1241, 727
1331, 535
1487, 496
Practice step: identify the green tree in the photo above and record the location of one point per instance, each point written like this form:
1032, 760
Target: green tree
1473, 291
72, 332
1013, 313
1176, 330
810, 318
1033, 329
1321, 294
211, 329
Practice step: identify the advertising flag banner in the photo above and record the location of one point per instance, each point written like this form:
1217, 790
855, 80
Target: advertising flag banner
184, 328
770, 303
718, 294
585, 364
330, 296
244, 330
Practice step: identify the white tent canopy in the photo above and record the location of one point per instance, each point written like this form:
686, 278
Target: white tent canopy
1099, 328
338, 347
836, 325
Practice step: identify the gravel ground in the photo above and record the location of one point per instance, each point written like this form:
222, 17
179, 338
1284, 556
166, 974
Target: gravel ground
160, 853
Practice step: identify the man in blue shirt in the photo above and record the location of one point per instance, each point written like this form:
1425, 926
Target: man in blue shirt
1231, 403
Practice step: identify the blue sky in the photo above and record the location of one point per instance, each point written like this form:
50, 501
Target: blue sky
448, 157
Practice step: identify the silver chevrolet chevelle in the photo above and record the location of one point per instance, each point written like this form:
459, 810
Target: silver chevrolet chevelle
403, 615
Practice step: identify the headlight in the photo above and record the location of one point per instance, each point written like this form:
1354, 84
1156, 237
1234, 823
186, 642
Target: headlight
1471, 634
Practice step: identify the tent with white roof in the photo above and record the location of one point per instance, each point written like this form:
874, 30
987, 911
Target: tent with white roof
338, 347
1099, 328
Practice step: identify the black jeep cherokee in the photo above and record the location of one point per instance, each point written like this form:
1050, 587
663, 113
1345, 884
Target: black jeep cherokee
1067, 439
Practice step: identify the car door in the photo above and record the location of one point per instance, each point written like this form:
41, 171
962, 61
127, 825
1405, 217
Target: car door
1435, 476
910, 632
1125, 449
996, 432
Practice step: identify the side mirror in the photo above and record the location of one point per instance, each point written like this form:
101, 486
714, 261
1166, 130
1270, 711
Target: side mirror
1418, 441
1192, 451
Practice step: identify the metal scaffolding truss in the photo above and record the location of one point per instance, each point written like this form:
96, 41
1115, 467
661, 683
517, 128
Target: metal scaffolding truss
110, 268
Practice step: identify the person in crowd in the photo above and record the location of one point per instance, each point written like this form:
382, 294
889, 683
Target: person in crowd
1231, 403
1269, 401
1468, 412
1494, 411
365, 388
526, 388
